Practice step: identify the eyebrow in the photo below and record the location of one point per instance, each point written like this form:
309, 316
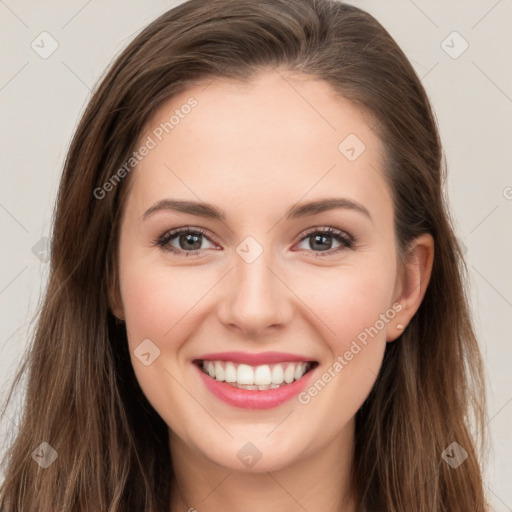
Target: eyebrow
298, 210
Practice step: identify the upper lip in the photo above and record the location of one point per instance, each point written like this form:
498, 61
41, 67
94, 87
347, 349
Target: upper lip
254, 359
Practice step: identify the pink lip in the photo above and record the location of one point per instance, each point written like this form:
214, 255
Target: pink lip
254, 399
254, 359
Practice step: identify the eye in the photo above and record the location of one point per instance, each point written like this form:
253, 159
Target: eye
188, 241
321, 241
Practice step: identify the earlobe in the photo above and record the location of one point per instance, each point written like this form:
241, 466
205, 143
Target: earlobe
114, 299
116, 309
412, 283
117, 314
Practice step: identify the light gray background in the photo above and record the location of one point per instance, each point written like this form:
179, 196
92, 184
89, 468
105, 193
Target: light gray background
42, 99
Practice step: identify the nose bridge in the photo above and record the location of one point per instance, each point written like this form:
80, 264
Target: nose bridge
257, 298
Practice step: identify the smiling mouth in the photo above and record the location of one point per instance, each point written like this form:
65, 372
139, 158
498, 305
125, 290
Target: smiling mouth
261, 377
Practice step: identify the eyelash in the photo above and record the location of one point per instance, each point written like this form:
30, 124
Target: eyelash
348, 241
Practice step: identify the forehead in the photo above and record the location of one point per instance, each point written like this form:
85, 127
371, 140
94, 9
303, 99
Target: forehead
276, 139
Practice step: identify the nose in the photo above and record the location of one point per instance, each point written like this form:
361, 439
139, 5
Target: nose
256, 298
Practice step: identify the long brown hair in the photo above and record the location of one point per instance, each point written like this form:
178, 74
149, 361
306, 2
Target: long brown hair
82, 397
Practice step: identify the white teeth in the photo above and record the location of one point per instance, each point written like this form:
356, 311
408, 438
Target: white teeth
219, 371
289, 373
230, 374
299, 371
260, 377
244, 374
277, 374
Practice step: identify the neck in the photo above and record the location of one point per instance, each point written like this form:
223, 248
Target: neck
320, 481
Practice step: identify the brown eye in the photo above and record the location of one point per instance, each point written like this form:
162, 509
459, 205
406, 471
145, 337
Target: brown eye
321, 241
183, 241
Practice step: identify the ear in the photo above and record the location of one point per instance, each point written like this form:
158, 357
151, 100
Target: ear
114, 296
412, 282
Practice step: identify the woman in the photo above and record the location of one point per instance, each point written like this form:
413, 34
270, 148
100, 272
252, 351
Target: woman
260, 370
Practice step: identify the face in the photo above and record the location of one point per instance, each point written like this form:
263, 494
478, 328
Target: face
293, 304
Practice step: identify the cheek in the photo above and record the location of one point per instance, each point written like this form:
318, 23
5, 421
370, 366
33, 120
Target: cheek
158, 304
345, 301
165, 303
352, 311
158, 300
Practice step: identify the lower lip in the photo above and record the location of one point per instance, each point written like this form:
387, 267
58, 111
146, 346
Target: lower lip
254, 399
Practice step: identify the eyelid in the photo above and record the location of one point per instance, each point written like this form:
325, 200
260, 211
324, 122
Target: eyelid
324, 229
346, 240
174, 232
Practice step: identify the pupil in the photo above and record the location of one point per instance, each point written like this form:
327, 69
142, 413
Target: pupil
322, 238
190, 239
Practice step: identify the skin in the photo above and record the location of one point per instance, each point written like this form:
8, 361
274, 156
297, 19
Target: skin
255, 150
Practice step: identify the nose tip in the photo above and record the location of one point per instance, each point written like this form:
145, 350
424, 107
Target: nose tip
255, 298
